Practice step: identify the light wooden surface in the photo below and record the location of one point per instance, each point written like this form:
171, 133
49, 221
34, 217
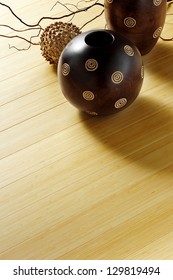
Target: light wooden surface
79, 187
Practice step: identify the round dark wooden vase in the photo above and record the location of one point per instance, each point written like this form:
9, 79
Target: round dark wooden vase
141, 21
100, 72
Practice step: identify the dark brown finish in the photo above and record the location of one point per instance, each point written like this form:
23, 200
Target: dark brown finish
100, 72
139, 20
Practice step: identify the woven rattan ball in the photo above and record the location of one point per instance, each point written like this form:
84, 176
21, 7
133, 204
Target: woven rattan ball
54, 39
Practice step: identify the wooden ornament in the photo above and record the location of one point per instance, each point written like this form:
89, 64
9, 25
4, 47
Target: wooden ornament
141, 21
100, 72
54, 39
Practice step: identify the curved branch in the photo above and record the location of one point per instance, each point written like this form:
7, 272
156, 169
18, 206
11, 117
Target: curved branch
21, 30
92, 19
64, 5
51, 18
8, 7
19, 37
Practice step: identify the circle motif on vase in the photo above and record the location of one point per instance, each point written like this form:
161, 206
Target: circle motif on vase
142, 72
157, 32
65, 69
120, 103
129, 22
88, 95
157, 2
128, 50
117, 77
91, 64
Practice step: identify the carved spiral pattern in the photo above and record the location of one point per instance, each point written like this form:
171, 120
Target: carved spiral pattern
88, 95
129, 22
65, 69
91, 64
142, 72
157, 32
128, 50
157, 2
117, 77
120, 103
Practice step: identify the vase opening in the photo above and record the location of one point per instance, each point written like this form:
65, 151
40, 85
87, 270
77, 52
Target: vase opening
99, 39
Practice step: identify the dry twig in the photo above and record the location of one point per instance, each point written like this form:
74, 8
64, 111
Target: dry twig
37, 26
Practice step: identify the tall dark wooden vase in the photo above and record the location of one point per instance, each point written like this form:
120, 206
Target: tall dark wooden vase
141, 21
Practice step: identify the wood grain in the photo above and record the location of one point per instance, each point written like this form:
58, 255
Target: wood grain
74, 186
